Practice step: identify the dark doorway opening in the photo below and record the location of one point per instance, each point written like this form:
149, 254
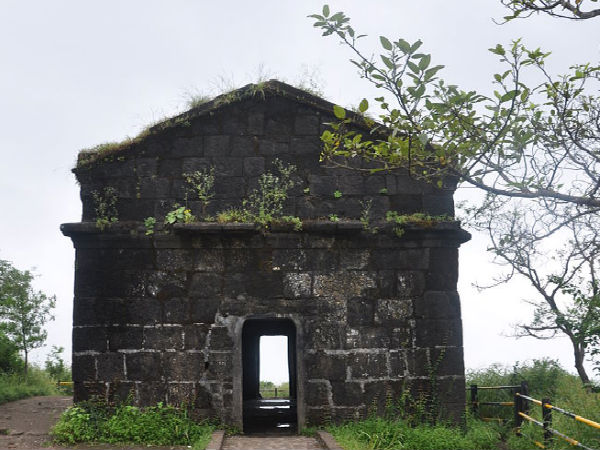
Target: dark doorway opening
266, 413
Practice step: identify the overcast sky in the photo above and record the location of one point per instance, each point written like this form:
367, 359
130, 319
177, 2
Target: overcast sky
78, 73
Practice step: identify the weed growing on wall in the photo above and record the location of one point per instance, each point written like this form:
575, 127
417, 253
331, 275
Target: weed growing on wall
265, 203
421, 219
201, 183
365, 216
105, 207
149, 223
179, 214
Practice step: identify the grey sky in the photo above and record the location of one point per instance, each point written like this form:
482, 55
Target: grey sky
75, 74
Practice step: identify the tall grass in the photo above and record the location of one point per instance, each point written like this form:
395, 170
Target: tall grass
384, 434
15, 387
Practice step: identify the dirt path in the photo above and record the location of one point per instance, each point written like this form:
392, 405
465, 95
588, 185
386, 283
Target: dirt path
26, 423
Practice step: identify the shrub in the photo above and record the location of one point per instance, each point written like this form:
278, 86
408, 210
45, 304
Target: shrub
92, 422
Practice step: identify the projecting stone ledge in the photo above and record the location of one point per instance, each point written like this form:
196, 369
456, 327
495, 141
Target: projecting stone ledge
449, 230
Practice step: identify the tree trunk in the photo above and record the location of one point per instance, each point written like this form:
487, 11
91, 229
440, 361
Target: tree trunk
26, 362
579, 357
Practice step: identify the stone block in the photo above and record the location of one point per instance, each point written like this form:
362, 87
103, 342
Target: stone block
183, 366
163, 338
367, 337
297, 285
346, 393
142, 311
169, 168
375, 185
155, 187
307, 124
438, 204
220, 366
143, 366
227, 167
393, 312
186, 146
174, 259
122, 338
86, 390
181, 394
244, 146
193, 163
176, 310
90, 338
323, 366
203, 310
195, 336
209, 260
443, 269
438, 332
274, 147
84, 368
351, 184
398, 363
438, 305
410, 284
322, 185
407, 259
361, 311
306, 145
254, 166
367, 365
317, 393
216, 145
220, 338
146, 167
206, 285
355, 259
110, 366
447, 361
150, 393
406, 204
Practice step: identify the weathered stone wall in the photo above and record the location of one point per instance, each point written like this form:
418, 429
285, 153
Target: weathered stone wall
158, 316
241, 141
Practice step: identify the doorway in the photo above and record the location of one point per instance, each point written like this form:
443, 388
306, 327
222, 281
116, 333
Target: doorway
265, 410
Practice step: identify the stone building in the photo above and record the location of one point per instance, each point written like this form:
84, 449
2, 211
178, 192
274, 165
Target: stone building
177, 315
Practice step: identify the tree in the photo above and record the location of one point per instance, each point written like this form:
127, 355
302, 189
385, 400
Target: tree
23, 311
524, 140
564, 272
532, 147
557, 8
55, 365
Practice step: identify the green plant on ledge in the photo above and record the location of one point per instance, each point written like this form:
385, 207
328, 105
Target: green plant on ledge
105, 207
422, 219
265, 203
179, 214
201, 183
149, 223
365, 216
234, 215
334, 218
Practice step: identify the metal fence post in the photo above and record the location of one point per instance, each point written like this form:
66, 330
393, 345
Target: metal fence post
518, 408
524, 391
547, 419
474, 399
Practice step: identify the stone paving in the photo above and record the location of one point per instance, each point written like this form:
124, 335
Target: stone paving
270, 443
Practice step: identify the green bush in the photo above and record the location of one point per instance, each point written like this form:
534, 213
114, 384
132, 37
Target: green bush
10, 361
92, 422
15, 387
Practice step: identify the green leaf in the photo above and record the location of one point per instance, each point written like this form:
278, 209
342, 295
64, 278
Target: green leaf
412, 66
423, 139
416, 46
424, 62
339, 112
509, 96
497, 77
387, 61
325, 10
364, 105
385, 43
403, 45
